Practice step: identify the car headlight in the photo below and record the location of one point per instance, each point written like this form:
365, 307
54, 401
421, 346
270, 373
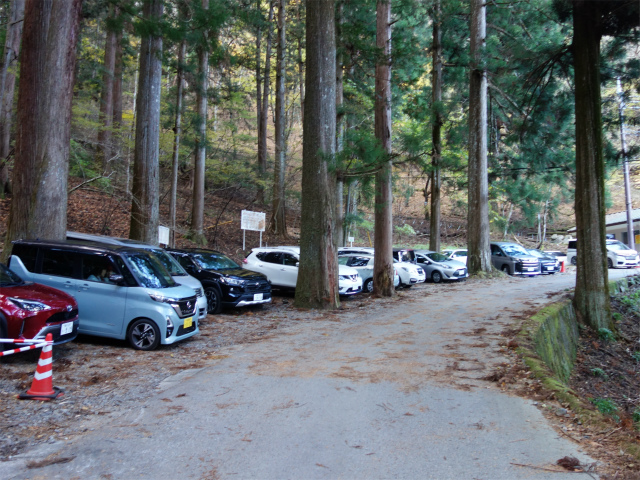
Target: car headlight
232, 281
161, 298
29, 305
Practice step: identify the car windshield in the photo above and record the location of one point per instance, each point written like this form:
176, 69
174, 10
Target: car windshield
214, 261
616, 246
170, 263
514, 250
149, 271
536, 253
437, 257
343, 260
8, 278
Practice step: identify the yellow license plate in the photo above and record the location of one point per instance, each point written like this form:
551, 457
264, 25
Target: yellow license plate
188, 322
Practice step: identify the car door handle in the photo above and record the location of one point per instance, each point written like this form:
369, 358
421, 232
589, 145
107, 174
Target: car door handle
85, 286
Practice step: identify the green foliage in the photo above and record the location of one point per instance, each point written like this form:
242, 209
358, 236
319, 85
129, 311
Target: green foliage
636, 356
598, 372
606, 335
636, 417
606, 407
405, 230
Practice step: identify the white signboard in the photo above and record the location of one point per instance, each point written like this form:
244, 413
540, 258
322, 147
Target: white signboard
163, 235
253, 221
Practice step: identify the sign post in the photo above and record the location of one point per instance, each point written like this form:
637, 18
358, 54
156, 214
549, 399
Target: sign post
254, 221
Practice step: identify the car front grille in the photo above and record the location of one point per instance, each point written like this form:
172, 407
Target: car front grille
184, 331
63, 316
186, 307
257, 286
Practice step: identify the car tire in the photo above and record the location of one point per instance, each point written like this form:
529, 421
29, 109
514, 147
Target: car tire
609, 263
144, 334
505, 269
436, 276
368, 285
214, 300
3, 334
574, 261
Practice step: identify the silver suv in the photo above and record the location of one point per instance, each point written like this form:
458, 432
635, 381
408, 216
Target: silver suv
514, 259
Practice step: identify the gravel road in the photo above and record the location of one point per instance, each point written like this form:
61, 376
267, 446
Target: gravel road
383, 389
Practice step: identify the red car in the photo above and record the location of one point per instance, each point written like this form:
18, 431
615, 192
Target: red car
31, 310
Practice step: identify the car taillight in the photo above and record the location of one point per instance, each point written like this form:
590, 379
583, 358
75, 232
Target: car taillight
244, 260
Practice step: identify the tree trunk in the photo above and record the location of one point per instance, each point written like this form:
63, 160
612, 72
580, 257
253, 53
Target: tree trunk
262, 166
7, 88
434, 218
117, 97
278, 224
145, 189
340, 129
591, 298
39, 205
264, 109
197, 214
106, 96
317, 285
383, 230
182, 52
479, 258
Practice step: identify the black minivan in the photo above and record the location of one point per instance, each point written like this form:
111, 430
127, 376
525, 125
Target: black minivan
225, 282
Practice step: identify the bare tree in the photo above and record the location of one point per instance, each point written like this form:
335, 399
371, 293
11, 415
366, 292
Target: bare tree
7, 88
145, 191
278, 224
317, 285
39, 204
264, 108
106, 93
479, 259
383, 230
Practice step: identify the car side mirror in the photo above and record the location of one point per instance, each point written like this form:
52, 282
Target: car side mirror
116, 278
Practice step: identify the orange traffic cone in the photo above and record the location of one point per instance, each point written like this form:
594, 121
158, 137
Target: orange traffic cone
562, 270
42, 387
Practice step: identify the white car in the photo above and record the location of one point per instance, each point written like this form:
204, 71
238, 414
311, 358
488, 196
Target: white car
620, 255
364, 265
409, 273
280, 265
458, 254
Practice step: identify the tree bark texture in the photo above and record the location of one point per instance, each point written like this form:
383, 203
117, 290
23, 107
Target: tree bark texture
106, 96
436, 131
145, 189
383, 229
300, 69
39, 205
263, 154
317, 285
182, 52
7, 88
278, 224
479, 259
197, 213
591, 298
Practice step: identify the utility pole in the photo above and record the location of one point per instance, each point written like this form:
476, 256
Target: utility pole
625, 168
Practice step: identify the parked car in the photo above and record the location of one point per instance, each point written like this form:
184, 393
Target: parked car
458, 254
406, 255
356, 250
178, 273
620, 255
29, 311
122, 292
280, 265
409, 273
514, 259
439, 267
571, 252
364, 265
548, 264
557, 254
226, 284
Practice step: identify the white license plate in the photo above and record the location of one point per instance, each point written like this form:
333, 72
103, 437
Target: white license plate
257, 297
531, 269
66, 328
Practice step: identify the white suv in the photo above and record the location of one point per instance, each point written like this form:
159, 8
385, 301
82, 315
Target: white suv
280, 265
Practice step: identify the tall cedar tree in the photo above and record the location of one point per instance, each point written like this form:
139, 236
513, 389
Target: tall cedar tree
383, 233
479, 258
7, 88
591, 20
39, 203
436, 130
145, 191
263, 110
106, 94
317, 285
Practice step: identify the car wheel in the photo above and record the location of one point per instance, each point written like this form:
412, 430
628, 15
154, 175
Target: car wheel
609, 263
505, 269
436, 276
368, 286
144, 334
3, 334
214, 303
574, 261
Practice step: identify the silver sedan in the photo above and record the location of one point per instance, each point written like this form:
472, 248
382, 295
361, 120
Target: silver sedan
439, 267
